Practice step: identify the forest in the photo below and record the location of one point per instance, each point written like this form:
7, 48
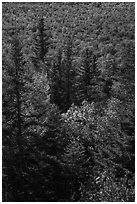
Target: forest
68, 102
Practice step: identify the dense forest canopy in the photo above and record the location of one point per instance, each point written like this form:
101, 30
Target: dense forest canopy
68, 113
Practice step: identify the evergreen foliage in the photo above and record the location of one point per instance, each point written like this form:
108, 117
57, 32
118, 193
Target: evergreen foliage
88, 73
57, 85
42, 43
68, 103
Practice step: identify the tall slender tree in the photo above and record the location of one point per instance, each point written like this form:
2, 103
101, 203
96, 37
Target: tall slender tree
56, 88
63, 75
42, 42
69, 74
87, 83
15, 73
14, 87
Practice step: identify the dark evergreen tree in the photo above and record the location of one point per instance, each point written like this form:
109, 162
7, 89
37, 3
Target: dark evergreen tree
68, 74
42, 43
14, 87
12, 97
56, 85
68, 66
87, 81
63, 76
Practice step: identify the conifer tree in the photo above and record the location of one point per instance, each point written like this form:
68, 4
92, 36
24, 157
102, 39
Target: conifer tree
56, 85
62, 79
42, 42
87, 76
14, 86
12, 99
69, 73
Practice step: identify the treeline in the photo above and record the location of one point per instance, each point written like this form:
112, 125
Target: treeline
68, 119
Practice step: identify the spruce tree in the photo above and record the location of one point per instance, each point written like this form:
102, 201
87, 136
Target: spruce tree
63, 76
69, 73
87, 76
42, 42
13, 88
12, 95
56, 85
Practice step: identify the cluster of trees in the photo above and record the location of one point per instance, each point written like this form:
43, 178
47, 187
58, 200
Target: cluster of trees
68, 105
